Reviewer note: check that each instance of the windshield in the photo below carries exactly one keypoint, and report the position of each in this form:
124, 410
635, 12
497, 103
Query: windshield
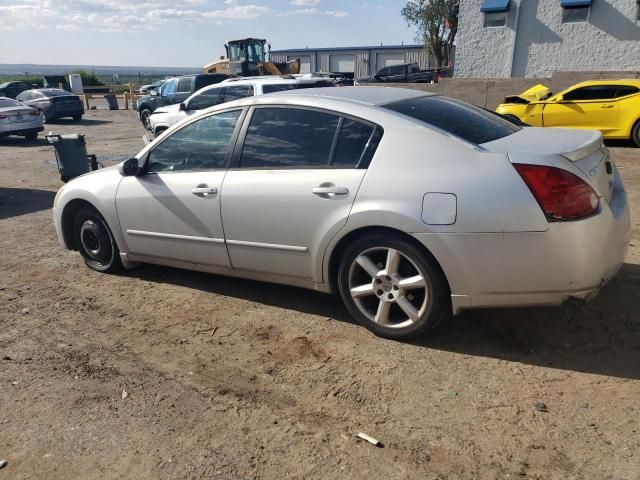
458, 118
7, 102
54, 92
235, 52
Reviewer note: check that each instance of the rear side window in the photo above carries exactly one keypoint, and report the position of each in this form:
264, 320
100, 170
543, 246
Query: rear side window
352, 142
461, 119
594, 92
286, 137
624, 90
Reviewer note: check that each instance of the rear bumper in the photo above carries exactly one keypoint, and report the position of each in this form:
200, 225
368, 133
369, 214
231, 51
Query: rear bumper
569, 260
23, 130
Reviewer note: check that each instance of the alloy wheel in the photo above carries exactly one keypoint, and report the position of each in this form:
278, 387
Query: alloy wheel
388, 287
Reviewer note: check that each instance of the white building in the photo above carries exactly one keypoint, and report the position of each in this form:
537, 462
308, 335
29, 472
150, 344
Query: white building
354, 62
533, 38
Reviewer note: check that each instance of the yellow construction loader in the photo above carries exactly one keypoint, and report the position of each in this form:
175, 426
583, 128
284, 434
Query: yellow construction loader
246, 58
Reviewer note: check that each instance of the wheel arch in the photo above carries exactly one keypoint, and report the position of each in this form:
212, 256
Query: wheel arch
338, 250
69, 212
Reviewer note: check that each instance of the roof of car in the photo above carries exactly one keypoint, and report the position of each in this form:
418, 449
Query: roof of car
366, 95
624, 81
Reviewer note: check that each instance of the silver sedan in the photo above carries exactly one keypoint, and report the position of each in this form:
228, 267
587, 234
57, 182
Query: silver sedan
411, 206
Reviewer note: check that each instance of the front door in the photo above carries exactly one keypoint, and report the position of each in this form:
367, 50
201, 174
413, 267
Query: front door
291, 188
172, 210
592, 107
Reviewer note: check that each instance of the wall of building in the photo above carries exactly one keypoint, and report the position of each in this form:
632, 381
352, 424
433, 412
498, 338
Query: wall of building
538, 43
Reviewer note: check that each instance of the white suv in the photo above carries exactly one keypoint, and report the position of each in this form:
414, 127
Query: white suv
226, 91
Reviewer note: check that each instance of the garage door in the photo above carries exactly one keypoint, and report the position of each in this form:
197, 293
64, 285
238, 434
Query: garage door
342, 63
305, 63
388, 59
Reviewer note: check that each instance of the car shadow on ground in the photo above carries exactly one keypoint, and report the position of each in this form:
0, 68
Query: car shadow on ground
620, 143
20, 201
602, 337
21, 142
72, 122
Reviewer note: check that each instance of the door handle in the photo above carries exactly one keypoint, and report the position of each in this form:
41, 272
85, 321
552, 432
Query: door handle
606, 106
204, 191
330, 190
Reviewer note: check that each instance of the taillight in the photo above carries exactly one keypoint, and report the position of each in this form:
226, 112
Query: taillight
34, 114
4, 117
561, 194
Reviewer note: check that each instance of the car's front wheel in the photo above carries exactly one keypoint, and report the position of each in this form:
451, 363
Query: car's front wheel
390, 286
145, 116
95, 241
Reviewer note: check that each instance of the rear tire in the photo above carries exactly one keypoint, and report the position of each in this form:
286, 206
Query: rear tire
31, 137
635, 134
391, 287
95, 242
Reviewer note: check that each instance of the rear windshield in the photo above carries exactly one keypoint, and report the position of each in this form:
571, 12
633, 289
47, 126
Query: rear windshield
7, 102
54, 92
461, 119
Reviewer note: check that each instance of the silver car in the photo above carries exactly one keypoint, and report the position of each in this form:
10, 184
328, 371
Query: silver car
19, 119
411, 206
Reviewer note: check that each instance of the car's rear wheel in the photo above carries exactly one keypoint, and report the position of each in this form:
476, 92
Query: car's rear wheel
95, 241
635, 134
391, 287
144, 118
31, 137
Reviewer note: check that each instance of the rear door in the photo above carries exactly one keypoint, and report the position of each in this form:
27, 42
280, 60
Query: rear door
183, 90
291, 186
592, 107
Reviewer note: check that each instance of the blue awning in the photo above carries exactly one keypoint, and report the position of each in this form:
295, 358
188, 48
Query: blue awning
492, 6
575, 3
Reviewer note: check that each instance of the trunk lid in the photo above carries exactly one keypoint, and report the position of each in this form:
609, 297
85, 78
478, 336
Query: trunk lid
583, 148
534, 94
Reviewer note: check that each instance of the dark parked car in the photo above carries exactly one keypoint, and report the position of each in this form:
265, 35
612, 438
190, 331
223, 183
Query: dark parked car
404, 73
12, 89
53, 103
175, 90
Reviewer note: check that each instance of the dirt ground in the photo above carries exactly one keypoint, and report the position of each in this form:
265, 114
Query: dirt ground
236, 379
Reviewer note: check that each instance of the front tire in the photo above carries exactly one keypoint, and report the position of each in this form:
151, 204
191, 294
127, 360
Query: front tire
391, 287
635, 134
95, 241
145, 115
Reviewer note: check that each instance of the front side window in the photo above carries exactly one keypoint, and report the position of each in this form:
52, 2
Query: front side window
384, 72
594, 92
575, 14
286, 137
169, 87
184, 84
396, 70
206, 99
201, 145
458, 118
237, 92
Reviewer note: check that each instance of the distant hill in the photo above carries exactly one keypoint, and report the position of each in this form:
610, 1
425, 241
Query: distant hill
101, 70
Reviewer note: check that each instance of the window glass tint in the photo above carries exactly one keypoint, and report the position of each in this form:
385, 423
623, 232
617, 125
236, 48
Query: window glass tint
208, 79
281, 87
383, 72
169, 87
466, 121
23, 97
595, 92
206, 99
284, 137
351, 142
623, 90
575, 14
396, 70
199, 145
7, 102
235, 93
184, 84
495, 19
55, 92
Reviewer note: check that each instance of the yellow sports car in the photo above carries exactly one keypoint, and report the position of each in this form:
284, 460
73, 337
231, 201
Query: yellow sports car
611, 106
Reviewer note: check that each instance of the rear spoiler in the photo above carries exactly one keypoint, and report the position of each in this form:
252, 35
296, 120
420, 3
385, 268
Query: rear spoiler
592, 145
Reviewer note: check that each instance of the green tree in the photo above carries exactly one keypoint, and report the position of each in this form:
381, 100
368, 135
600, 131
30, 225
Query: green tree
437, 24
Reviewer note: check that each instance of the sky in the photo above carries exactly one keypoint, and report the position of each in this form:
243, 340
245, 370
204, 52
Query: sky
186, 33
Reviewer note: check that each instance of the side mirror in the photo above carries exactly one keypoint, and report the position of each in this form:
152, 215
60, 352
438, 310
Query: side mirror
153, 92
129, 168
182, 107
